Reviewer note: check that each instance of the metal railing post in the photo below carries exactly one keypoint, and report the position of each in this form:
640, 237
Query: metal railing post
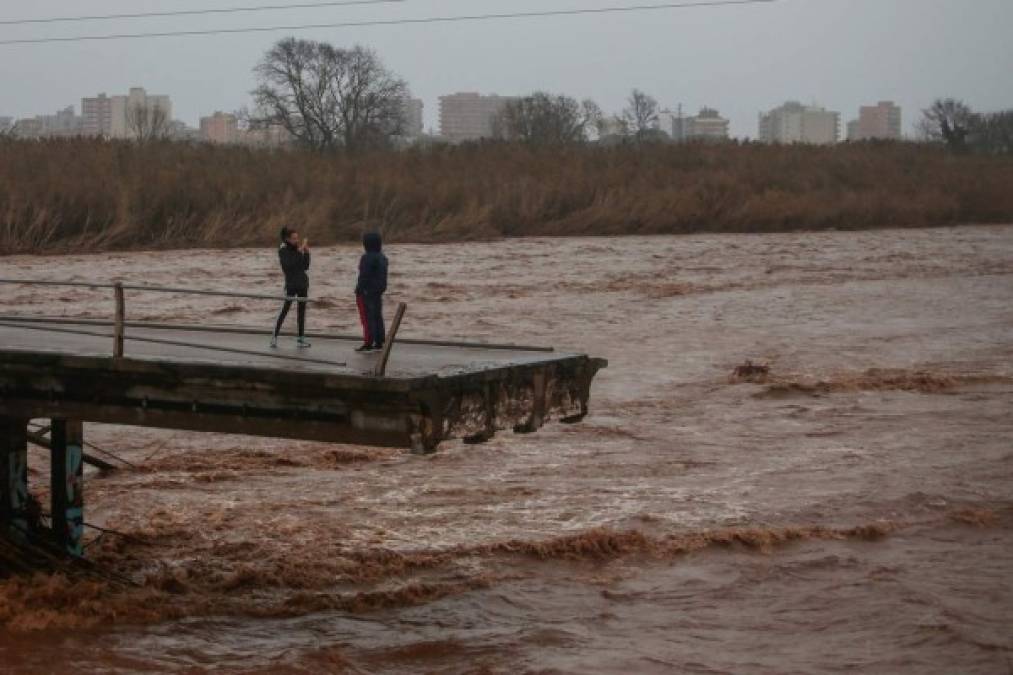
119, 320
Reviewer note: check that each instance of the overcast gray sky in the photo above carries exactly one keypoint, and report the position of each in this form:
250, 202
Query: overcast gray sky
838, 53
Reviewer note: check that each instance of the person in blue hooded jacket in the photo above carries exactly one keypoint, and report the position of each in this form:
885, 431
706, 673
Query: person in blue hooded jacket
369, 290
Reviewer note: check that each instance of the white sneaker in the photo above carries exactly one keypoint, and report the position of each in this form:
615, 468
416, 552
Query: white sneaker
274, 343
301, 343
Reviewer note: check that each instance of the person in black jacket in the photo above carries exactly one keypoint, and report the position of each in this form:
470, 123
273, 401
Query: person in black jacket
369, 290
295, 260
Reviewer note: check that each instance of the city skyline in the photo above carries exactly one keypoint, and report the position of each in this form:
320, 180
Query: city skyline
739, 60
466, 116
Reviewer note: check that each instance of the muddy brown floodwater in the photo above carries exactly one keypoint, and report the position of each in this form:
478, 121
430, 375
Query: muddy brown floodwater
851, 511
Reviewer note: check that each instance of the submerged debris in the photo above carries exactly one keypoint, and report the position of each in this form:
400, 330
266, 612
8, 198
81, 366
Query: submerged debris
751, 372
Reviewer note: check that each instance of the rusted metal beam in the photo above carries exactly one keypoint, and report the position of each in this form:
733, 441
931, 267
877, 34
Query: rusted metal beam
40, 440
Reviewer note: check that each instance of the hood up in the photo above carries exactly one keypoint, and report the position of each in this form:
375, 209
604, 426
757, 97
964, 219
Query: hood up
372, 242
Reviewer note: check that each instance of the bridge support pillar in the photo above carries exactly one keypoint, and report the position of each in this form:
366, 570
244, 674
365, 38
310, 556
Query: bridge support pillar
14, 475
67, 437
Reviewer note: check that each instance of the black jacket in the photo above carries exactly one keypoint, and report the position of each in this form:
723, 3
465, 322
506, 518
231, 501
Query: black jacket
294, 264
372, 267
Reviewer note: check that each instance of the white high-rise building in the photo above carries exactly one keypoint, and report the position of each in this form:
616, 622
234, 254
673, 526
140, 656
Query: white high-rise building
797, 123
137, 102
109, 116
470, 116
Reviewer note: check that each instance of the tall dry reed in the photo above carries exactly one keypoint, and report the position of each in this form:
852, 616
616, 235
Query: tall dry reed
89, 194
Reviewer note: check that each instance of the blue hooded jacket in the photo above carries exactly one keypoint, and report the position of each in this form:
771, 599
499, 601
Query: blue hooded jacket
372, 267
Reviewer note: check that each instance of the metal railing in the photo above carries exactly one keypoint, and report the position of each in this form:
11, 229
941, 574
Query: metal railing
119, 322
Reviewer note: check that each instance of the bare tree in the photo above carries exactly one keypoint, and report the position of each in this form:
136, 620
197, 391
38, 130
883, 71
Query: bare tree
326, 97
947, 120
545, 119
148, 122
612, 129
641, 114
992, 133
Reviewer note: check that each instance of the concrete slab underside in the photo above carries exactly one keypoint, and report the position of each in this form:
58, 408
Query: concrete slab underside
430, 393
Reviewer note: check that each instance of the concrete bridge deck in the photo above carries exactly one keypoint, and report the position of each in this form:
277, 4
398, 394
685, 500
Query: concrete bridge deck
328, 354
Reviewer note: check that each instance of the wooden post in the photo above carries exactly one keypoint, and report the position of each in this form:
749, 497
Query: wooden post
67, 484
381, 367
118, 321
13, 474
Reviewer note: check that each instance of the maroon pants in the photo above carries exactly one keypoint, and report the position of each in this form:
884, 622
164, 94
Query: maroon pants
363, 319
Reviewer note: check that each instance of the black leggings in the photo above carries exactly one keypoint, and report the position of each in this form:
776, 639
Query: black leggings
300, 311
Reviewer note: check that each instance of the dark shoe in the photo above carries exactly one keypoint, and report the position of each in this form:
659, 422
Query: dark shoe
301, 343
378, 348
364, 348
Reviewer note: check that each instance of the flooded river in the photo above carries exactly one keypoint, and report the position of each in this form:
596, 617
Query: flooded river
851, 511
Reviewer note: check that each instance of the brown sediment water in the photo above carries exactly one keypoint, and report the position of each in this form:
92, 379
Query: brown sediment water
849, 509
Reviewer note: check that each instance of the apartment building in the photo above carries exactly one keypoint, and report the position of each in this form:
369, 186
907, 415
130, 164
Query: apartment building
109, 116
220, 128
65, 123
707, 125
97, 116
469, 116
137, 102
797, 123
881, 121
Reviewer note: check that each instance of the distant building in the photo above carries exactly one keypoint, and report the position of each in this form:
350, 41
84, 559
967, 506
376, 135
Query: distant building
137, 102
414, 124
470, 116
64, 124
6, 123
30, 127
97, 115
708, 125
181, 131
667, 121
272, 136
796, 123
110, 116
853, 130
881, 121
220, 128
